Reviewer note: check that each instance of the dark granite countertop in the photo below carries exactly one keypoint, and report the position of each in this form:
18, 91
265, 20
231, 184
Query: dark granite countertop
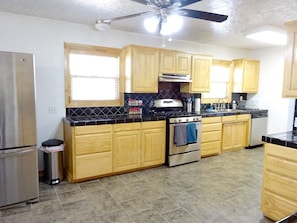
214, 113
125, 118
112, 119
287, 139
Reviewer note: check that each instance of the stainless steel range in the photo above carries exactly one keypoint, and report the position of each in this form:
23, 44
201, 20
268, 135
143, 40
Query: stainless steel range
183, 132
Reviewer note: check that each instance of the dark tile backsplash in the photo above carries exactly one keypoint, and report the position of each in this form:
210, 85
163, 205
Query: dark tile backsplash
166, 90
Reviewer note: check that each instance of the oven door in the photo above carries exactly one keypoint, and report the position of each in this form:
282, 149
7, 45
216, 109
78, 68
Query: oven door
173, 149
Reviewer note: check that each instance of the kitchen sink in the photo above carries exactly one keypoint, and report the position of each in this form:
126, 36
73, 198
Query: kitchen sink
223, 111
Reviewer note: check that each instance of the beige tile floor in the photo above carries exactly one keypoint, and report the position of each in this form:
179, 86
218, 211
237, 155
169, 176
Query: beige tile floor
223, 189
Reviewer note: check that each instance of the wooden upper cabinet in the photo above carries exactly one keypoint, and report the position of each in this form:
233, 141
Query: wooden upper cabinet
200, 75
174, 62
141, 68
245, 76
290, 75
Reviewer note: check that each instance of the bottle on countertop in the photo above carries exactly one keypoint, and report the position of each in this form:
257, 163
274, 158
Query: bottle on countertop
234, 104
189, 105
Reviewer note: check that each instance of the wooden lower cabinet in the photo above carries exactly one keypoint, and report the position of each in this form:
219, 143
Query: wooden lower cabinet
93, 165
235, 132
88, 151
98, 150
126, 149
211, 136
153, 143
279, 187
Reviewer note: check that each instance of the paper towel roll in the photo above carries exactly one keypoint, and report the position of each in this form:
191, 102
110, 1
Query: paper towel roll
197, 104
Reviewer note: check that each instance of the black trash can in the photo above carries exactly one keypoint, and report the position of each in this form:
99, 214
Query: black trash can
53, 161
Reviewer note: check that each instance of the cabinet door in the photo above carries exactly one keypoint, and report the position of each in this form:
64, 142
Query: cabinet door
234, 135
153, 146
245, 76
145, 69
200, 75
167, 61
175, 62
238, 135
250, 76
227, 139
126, 150
290, 75
183, 63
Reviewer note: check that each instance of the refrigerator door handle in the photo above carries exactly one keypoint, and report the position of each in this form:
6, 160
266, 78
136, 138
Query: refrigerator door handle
13, 154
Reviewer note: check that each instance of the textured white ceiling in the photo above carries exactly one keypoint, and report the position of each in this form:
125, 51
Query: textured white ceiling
243, 14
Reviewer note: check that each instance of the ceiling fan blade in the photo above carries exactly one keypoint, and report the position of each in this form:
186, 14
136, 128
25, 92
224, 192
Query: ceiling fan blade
186, 2
202, 15
144, 2
126, 16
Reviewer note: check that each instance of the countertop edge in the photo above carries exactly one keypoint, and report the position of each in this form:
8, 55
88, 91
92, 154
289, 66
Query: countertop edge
286, 139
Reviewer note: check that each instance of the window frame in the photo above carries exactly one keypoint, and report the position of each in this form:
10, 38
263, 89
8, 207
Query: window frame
91, 50
227, 64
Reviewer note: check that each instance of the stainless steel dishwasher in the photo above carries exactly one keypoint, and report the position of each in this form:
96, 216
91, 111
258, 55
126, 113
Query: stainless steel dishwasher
258, 127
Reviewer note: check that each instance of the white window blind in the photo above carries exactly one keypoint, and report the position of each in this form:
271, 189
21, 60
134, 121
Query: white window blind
220, 77
94, 77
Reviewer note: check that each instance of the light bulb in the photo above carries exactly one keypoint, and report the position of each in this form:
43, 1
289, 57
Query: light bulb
171, 24
151, 24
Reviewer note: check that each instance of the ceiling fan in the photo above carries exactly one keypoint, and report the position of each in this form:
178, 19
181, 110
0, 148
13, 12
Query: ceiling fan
162, 12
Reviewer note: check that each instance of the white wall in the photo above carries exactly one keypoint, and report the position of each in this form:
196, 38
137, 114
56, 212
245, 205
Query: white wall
45, 38
281, 110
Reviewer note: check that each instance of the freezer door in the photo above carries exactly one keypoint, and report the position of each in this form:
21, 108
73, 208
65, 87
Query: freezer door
18, 175
17, 100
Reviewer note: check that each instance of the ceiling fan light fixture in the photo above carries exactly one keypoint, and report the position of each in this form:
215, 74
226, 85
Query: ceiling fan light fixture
176, 22
268, 34
151, 24
102, 25
171, 24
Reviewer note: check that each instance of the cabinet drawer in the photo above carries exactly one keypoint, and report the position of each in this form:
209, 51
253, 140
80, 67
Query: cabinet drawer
211, 127
210, 148
126, 127
95, 143
210, 136
153, 124
92, 129
276, 207
230, 118
93, 165
211, 120
280, 166
281, 151
278, 184
245, 117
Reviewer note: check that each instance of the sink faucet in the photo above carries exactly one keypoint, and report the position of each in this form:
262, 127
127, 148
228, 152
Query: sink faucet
221, 105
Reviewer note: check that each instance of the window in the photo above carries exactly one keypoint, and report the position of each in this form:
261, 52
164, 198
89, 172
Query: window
220, 83
92, 76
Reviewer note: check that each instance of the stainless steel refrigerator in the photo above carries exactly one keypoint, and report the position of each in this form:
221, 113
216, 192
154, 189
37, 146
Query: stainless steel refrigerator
18, 153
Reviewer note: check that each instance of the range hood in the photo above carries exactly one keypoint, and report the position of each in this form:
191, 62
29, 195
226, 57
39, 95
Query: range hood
175, 78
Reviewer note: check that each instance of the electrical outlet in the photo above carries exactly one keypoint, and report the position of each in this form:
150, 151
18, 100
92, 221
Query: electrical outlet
52, 109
